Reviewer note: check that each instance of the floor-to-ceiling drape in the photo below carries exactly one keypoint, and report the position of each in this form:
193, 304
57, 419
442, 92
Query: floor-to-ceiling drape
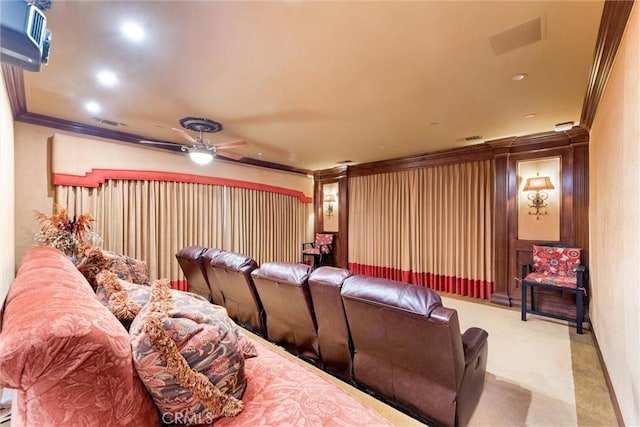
152, 220
431, 226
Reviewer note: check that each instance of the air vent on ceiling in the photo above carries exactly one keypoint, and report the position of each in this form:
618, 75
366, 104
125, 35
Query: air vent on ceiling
344, 162
107, 122
470, 138
518, 36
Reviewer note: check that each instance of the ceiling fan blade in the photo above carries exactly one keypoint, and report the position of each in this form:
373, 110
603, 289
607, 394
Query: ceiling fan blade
185, 135
229, 155
231, 144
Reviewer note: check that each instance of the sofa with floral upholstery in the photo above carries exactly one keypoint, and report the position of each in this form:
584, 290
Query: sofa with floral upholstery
66, 350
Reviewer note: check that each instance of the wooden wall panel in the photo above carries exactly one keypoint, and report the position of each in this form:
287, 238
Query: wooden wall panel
341, 242
501, 226
510, 252
572, 148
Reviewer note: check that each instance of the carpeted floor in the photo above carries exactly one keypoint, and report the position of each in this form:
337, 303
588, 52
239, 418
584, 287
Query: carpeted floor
539, 372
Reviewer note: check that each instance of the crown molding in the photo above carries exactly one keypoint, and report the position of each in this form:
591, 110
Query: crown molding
615, 15
14, 82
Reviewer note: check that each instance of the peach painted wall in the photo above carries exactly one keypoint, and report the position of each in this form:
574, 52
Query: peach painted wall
614, 219
7, 261
40, 150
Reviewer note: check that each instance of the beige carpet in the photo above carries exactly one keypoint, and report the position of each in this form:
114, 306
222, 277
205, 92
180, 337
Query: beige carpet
529, 374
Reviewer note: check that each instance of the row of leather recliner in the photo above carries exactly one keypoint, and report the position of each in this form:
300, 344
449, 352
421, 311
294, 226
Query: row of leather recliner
392, 339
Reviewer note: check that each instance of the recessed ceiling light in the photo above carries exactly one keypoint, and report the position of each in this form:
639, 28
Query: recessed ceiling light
529, 116
519, 77
107, 78
92, 106
132, 31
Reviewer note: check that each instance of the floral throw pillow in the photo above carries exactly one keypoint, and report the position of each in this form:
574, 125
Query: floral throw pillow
556, 261
189, 356
124, 299
126, 268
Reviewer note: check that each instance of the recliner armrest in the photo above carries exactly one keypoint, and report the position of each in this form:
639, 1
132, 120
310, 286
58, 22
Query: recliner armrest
473, 340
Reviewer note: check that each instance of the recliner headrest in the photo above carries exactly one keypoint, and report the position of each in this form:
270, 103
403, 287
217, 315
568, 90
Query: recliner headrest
411, 298
232, 261
191, 252
284, 272
329, 275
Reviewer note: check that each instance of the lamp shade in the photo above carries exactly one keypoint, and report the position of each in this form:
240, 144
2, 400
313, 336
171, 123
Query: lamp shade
200, 157
538, 183
330, 198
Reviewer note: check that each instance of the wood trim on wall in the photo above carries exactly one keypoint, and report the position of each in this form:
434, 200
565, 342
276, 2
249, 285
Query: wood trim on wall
341, 241
615, 15
436, 158
572, 147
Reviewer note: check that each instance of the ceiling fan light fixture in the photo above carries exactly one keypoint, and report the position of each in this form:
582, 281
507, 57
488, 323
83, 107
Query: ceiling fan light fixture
201, 157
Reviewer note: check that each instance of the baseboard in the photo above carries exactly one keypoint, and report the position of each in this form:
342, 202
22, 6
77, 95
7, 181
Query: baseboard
612, 393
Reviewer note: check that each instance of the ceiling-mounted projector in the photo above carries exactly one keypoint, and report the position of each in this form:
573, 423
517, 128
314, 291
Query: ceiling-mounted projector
24, 38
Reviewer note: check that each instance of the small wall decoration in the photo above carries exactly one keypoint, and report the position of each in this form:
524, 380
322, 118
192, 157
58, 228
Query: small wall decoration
539, 195
330, 207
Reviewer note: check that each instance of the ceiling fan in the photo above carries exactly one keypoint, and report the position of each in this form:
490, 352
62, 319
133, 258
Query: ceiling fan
201, 150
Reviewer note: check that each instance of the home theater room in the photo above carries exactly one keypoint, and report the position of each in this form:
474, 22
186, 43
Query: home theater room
320, 213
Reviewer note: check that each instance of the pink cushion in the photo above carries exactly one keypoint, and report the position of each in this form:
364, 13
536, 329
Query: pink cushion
190, 355
562, 281
280, 392
554, 261
65, 353
321, 242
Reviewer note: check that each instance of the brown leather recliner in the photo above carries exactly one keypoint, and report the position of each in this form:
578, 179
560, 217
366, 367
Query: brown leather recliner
232, 273
284, 292
191, 263
333, 333
409, 350
214, 287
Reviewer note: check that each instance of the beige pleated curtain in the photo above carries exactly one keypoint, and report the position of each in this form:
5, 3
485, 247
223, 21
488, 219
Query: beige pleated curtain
430, 226
152, 220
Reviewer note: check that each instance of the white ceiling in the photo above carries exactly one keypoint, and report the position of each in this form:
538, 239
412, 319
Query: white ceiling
309, 84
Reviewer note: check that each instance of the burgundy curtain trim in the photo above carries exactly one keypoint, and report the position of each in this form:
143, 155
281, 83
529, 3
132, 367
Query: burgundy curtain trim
180, 285
454, 285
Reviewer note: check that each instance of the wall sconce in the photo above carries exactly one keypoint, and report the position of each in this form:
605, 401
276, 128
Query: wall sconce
537, 195
329, 202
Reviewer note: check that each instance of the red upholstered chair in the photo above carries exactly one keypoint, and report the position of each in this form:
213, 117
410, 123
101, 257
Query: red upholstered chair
321, 250
555, 267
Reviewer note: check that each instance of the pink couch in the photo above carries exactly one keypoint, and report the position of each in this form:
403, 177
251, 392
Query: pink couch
66, 355
70, 361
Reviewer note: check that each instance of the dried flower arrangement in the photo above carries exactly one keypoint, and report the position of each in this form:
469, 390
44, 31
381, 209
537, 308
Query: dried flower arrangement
73, 236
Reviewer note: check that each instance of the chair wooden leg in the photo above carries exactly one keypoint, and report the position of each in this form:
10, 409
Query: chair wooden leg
579, 311
524, 302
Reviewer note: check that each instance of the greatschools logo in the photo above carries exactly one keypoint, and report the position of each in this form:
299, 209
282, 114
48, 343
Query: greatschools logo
186, 418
